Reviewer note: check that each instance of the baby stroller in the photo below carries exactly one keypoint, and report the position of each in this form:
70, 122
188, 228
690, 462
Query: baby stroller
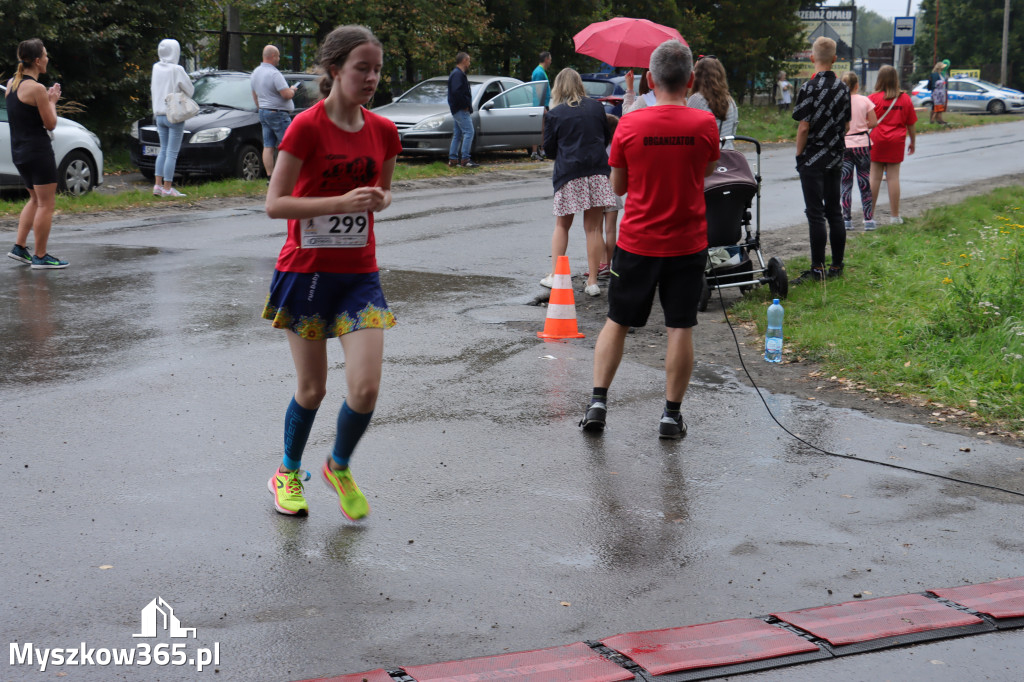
733, 263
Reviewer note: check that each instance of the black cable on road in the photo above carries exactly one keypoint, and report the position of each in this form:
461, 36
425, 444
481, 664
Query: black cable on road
855, 458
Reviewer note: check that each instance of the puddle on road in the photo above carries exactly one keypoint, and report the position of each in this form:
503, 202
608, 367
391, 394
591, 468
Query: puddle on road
408, 286
58, 324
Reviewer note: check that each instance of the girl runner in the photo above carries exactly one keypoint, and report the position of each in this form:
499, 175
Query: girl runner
332, 174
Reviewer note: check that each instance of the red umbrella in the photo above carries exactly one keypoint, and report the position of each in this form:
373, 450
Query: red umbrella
623, 41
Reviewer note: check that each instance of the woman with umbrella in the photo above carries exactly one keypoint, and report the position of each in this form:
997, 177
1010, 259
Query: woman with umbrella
576, 135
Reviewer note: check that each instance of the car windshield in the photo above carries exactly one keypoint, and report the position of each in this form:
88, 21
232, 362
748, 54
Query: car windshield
432, 92
598, 88
233, 91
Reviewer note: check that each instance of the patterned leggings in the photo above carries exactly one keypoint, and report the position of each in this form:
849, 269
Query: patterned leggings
857, 159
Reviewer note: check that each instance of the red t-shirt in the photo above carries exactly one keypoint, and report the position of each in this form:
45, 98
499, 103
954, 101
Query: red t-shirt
335, 162
894, 125
664, 150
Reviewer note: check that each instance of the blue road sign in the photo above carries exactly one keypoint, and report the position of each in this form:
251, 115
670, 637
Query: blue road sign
903, 30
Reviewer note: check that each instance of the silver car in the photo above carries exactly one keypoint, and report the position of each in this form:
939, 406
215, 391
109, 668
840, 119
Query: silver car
77, 150
507, 114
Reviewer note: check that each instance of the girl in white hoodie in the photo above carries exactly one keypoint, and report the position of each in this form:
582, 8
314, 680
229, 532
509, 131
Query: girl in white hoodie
168, 77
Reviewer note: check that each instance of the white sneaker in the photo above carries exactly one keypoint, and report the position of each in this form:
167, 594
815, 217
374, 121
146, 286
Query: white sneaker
895, 220
548, 281
869, 224
172, 192
158, 190
848, 224
592, 290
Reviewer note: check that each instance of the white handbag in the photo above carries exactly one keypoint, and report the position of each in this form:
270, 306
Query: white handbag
180, 107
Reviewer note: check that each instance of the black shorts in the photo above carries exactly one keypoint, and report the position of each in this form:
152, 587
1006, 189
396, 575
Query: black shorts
40, 169
678, 279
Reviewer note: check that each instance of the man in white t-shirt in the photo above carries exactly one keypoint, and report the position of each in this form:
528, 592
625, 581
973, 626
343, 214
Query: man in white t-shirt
273, 98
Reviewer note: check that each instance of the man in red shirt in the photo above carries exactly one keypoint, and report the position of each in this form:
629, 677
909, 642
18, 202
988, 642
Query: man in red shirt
660, 156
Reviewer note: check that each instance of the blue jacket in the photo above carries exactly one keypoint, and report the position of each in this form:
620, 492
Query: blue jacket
459, 95
577, 139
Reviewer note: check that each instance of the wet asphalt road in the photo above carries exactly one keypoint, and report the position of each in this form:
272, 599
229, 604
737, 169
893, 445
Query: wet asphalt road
141, 410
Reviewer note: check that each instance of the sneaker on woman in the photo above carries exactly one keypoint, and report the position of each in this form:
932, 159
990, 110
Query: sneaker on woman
351, 500
48, 262
20, 254
287, 491
172, 192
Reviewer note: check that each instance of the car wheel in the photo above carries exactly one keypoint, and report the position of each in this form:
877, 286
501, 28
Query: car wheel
996, 107
148, 173
76, 174
249, 165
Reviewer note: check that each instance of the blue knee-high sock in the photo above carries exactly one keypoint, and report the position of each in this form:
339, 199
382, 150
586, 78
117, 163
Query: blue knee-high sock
297, 423
351, 426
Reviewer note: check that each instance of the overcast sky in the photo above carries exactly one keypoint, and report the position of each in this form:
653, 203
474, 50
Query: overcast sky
889, 8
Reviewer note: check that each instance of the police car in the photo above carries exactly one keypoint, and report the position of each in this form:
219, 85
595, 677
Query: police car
972, 95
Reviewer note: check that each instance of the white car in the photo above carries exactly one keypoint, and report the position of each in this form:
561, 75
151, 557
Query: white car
78, 154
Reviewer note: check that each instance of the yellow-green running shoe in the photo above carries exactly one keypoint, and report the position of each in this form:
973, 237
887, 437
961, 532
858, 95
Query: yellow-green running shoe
287, 490
350, 498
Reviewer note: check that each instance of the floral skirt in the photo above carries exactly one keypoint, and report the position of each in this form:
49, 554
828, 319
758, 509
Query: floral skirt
323, 305
577, 195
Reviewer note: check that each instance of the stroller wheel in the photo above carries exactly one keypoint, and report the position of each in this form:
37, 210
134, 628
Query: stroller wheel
705, 295
778, 280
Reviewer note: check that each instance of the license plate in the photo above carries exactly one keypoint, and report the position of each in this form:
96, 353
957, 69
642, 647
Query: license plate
150, 150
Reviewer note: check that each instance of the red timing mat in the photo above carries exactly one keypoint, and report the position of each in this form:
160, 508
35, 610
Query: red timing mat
862, 621
572, 663
999, 599
726, 642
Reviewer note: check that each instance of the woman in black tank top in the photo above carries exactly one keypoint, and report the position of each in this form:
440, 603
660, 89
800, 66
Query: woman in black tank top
32, 112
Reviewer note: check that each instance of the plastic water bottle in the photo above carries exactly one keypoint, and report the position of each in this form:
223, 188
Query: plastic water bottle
773, 337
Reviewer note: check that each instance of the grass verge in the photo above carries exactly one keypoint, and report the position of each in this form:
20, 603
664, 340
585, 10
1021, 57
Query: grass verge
933, 308
11, 206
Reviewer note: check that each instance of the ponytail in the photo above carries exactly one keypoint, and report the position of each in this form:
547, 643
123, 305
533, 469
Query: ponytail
16, 81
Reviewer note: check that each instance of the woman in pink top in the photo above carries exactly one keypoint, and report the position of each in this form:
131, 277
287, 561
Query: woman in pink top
857, 157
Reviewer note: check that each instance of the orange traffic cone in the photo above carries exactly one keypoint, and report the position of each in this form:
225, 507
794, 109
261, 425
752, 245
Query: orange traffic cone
561, 319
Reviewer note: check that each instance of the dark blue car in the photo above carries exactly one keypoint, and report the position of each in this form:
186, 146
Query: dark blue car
606, 88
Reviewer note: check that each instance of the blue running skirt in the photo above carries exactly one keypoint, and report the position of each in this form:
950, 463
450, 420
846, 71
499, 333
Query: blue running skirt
323, 305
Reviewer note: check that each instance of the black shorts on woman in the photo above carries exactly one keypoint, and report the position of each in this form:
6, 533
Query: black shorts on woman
634, 278
38, 169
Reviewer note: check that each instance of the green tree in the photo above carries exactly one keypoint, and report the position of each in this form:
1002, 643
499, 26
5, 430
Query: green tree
420, 37
872, 30
101, 51
971, 36
522, 29
751, 38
